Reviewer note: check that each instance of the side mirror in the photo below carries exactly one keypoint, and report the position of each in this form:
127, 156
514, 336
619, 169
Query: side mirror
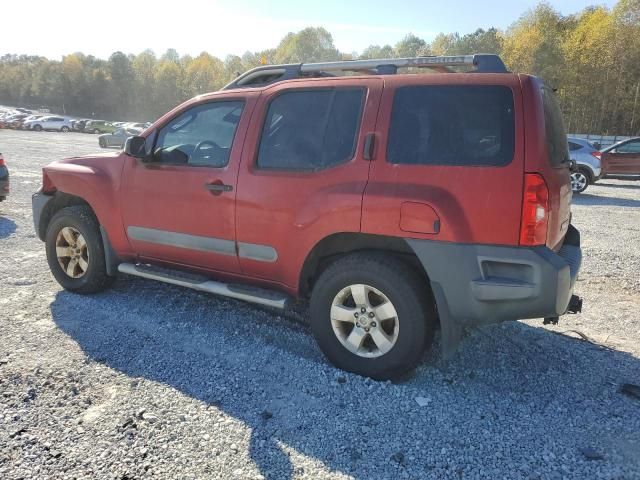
135, 147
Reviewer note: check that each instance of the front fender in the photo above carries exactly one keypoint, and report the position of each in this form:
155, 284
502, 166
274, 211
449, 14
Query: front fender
97, 181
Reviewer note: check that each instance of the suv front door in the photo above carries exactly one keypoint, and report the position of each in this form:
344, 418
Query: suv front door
179, 204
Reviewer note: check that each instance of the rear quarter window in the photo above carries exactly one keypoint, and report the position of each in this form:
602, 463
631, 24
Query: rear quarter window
554, 129
452, 125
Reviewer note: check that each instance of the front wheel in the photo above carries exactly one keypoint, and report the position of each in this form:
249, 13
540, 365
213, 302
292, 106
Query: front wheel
38, 128
64, 129
580, 181
96, 131
373, 315
75, 252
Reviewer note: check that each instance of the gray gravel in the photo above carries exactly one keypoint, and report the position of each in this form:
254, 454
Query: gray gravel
152, 381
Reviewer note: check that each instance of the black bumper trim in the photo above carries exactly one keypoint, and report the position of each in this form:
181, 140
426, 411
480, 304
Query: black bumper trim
39, 201
484, 284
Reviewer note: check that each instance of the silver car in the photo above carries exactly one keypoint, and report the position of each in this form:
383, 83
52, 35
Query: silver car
587, 156
60, 124
117, 138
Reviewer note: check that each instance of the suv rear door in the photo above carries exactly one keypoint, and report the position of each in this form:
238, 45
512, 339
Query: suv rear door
623, 160
303, 173
448, 160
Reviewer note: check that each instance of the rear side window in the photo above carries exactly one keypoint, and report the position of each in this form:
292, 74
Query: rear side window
452, 125
631, 147
311, 129
554, 128
574, 146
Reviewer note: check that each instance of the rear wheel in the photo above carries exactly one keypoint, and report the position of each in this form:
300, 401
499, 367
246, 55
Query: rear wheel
102, 143
38, 128
64, 129
96, 131
580, 180
75, 252
372, 315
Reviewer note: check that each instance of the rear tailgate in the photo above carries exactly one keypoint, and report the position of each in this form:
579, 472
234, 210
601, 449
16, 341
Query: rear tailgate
547, 154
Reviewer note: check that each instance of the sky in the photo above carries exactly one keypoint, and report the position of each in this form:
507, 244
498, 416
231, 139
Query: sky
221, 27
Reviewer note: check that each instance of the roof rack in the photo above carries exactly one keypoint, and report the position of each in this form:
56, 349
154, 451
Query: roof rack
267, 74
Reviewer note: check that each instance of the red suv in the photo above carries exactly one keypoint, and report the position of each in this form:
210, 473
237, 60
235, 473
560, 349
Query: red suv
397, 203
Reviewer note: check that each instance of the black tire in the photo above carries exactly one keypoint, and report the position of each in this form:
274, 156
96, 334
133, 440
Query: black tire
101, 143
81, 218
37, 128
64, 129
96, 131
406, 290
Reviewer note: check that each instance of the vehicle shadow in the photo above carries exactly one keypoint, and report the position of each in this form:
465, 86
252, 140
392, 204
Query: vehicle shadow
625, 186
589, 199
280, 387
7, 227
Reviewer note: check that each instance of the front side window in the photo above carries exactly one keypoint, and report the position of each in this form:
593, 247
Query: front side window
201, 136
630, 147
452, 125
311, 129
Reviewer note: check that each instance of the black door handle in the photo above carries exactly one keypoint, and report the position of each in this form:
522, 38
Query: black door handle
218, 187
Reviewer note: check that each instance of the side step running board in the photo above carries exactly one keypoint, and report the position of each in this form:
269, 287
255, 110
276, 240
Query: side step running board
203, 284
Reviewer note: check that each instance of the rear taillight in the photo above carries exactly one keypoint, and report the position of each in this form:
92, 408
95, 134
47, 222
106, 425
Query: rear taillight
598, 155
2, 164
535, 211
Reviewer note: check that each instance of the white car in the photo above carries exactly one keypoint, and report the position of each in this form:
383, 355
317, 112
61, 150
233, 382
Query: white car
50, 122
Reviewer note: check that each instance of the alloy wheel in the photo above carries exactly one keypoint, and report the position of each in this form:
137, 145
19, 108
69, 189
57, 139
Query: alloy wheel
578, 181
364, 321
72, 252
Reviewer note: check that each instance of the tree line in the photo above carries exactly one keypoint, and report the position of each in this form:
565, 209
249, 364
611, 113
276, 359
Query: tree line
592, 58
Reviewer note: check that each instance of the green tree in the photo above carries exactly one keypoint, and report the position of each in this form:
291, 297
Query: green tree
308, 45
409, 46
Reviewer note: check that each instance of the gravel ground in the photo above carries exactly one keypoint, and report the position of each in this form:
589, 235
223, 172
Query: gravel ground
153, 381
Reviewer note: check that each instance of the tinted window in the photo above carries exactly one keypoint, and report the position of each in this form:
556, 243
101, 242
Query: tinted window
554, 127
203, 135
310, 130
452, 125
574, 146
631, 147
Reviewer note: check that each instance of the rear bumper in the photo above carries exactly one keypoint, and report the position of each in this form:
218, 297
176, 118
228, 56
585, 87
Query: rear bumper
483, 284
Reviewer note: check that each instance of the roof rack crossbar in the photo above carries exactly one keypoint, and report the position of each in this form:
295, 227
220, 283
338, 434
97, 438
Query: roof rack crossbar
264, 75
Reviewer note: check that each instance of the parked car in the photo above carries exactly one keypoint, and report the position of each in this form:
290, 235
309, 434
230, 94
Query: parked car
28, 119
139, 126
78, 125
99, 126
354, 192
4, 179
622, 158
587, 158
117, 138
56, 123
